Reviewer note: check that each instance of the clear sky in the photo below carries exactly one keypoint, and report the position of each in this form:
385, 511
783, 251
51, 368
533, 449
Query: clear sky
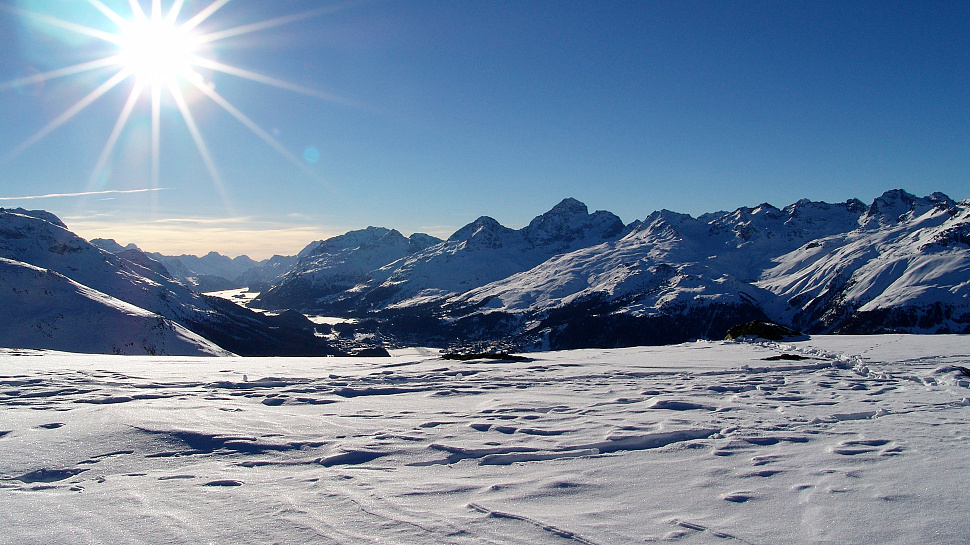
322, 117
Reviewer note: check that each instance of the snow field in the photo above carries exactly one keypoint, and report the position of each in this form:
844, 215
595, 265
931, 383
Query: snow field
840, 440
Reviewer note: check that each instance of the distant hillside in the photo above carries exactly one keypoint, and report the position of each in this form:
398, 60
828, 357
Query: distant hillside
211, 272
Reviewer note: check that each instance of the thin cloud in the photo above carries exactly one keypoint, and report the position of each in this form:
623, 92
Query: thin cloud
83, 194
202, 221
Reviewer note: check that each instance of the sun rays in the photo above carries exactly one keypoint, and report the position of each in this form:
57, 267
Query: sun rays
164, 55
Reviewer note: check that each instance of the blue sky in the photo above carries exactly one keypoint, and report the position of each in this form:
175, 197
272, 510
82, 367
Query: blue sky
424, 115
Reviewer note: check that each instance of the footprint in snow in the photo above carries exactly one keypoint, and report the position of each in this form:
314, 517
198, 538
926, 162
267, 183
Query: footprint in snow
678, 405
738, 497
865, 446
48, 475
761, 473
51, 426
225, 482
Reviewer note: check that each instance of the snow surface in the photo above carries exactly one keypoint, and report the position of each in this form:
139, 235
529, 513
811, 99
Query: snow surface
863, 440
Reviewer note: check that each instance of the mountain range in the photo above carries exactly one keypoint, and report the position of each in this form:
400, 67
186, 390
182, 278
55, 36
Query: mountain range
569, 279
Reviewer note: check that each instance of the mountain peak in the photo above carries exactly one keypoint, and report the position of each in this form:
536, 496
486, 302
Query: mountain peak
891, 199
894, 205
664, 219
571, 206
110, 245
766, 208
351, 239
570, 220
482, 226
36, 214
420, 241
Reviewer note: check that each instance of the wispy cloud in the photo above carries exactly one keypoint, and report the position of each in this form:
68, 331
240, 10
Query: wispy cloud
84, 194
204, 221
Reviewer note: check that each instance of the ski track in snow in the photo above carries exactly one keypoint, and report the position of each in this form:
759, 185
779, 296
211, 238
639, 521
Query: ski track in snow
845, 440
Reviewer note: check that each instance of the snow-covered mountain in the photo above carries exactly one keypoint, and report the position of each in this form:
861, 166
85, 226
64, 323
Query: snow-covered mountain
41, 240
266, 273
481, 252
671, 257
907, 267
216, 264
331, 266
901, 264
211, 272
573, 279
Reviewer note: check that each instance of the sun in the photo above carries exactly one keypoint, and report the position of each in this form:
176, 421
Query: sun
159, 52
156, 51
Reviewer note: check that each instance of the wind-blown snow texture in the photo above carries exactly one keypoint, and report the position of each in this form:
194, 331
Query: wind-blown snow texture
837, 439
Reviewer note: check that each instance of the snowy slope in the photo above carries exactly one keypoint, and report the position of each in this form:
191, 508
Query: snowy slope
43, 309
862, 440
909, 264
29, 237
